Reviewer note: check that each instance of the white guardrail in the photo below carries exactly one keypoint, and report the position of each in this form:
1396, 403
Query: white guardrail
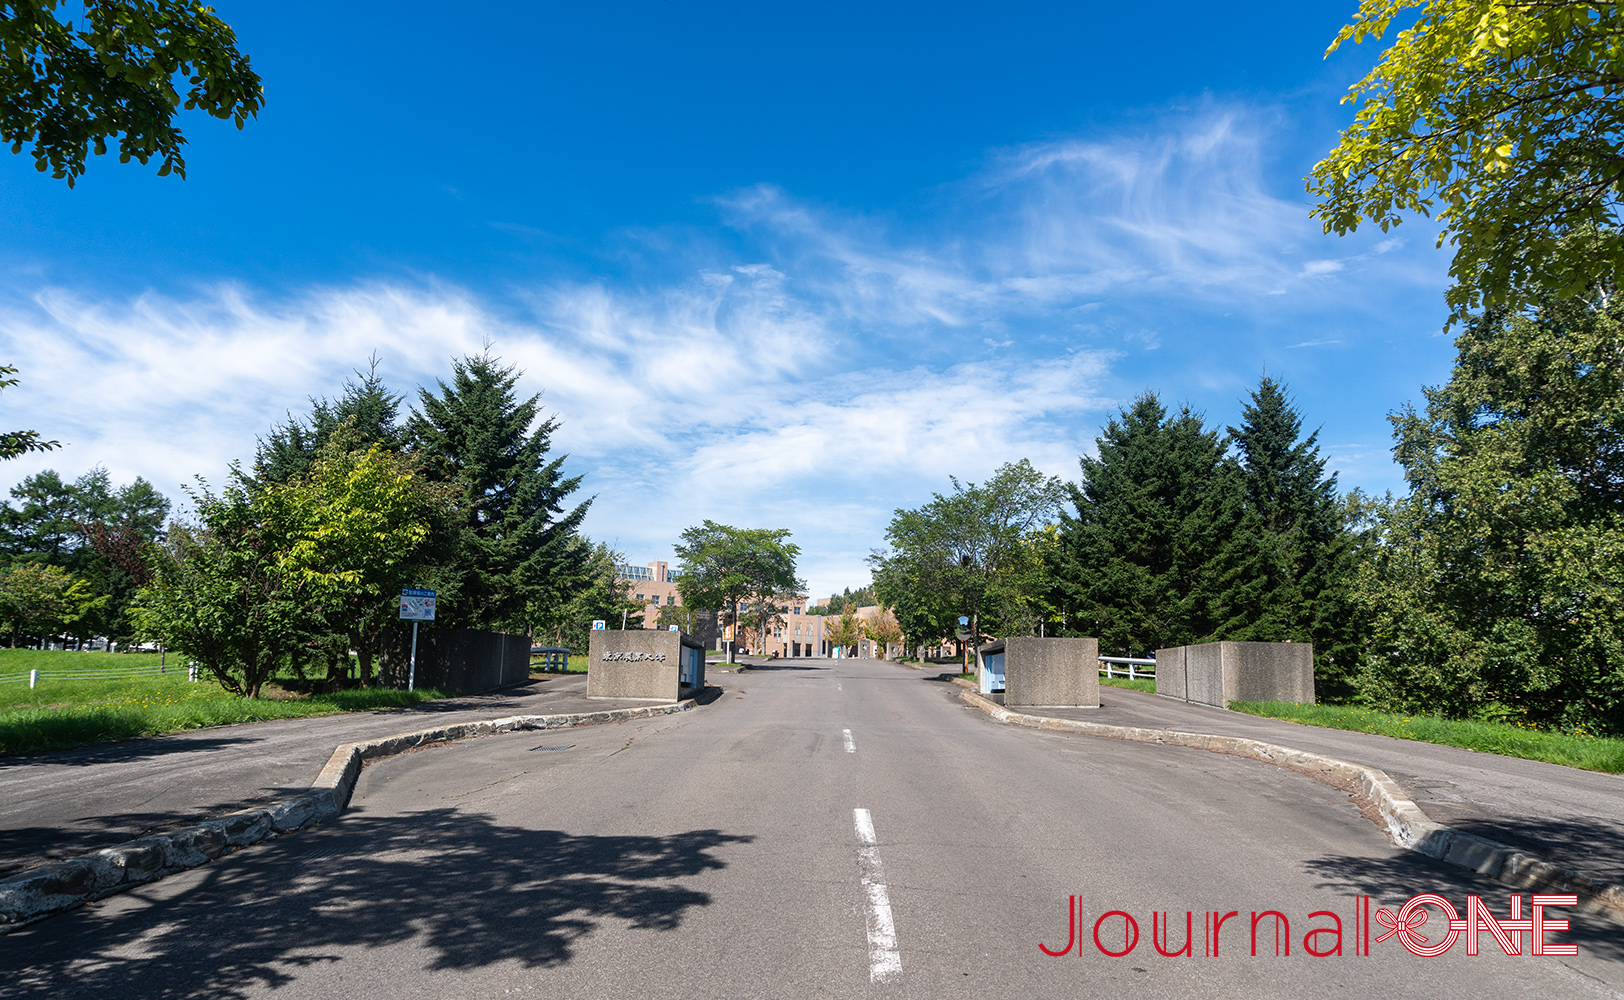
36, 677
1107, 668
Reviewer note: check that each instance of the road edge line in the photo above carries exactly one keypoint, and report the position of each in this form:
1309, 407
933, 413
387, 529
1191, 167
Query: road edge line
1406, 824
33, 895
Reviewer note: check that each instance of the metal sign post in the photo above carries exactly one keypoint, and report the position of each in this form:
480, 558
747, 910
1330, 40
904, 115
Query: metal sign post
964, 633
415, 606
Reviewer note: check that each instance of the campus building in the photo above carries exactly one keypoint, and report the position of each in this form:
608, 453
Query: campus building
653, 585
803, 635
798, 635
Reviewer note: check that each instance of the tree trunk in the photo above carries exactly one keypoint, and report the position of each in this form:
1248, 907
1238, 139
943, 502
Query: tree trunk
363, 653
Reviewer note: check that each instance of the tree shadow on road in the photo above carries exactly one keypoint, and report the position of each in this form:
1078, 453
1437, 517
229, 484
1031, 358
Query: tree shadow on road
27, 847
468, 891
1595, 847
124, 751
1391, 881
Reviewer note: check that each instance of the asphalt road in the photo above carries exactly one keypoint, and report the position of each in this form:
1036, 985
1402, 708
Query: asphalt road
1563, 815
831, 829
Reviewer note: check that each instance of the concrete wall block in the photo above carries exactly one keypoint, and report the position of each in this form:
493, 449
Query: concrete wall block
1217, 673
1268, 671
1051, 672
636, 663
1170, 673
1203, 674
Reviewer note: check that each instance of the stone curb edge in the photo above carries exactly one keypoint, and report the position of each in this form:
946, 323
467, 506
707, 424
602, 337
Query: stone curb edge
62, 885
1406, 823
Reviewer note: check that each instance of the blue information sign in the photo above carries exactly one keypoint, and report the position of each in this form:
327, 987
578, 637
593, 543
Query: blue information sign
416, 605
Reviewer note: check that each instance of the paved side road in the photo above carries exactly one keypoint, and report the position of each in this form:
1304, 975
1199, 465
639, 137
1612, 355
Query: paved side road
58, 805
1563, 815
837, 829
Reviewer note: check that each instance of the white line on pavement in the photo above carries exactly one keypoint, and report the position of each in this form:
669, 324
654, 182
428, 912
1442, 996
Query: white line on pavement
851, 747
865, 826
884, 960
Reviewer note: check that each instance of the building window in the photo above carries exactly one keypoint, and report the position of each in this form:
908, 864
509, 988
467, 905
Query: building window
639, 597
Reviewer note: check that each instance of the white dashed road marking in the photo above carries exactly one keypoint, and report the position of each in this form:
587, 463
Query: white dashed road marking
851, 747
884, 960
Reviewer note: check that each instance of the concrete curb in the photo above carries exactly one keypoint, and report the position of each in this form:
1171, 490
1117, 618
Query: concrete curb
1406, 823
62, 885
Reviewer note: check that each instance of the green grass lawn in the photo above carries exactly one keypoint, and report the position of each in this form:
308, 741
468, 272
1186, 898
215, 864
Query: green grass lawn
1132, 683
577, 665
66, 709
1592, 753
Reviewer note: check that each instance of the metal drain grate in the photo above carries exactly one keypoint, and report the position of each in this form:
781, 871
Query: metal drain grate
569, 746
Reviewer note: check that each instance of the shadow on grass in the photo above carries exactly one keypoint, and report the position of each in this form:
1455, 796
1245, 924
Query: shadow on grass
1393, 880
464, 890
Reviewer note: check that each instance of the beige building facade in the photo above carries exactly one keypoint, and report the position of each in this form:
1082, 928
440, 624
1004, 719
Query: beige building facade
654, 586
800, 635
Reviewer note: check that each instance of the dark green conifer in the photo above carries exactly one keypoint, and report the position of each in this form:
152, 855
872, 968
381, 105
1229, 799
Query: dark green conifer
1140, 562
515, 540
1289, 563
367, 406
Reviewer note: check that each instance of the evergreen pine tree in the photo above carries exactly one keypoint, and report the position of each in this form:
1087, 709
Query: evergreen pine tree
367, 406
1140, 564
515, 540
1290, 560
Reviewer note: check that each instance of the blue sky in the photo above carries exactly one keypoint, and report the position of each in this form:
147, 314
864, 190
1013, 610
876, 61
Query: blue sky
785, 267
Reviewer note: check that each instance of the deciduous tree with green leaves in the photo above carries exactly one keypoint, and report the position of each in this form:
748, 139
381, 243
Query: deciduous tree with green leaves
970, 552
883, 628
67, 87
1494, 587
722, 567
38, 601
362, 527
1504, 121
223, 591
14, 444
846, 631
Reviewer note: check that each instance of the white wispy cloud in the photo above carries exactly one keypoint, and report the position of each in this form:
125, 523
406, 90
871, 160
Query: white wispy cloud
838, 367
